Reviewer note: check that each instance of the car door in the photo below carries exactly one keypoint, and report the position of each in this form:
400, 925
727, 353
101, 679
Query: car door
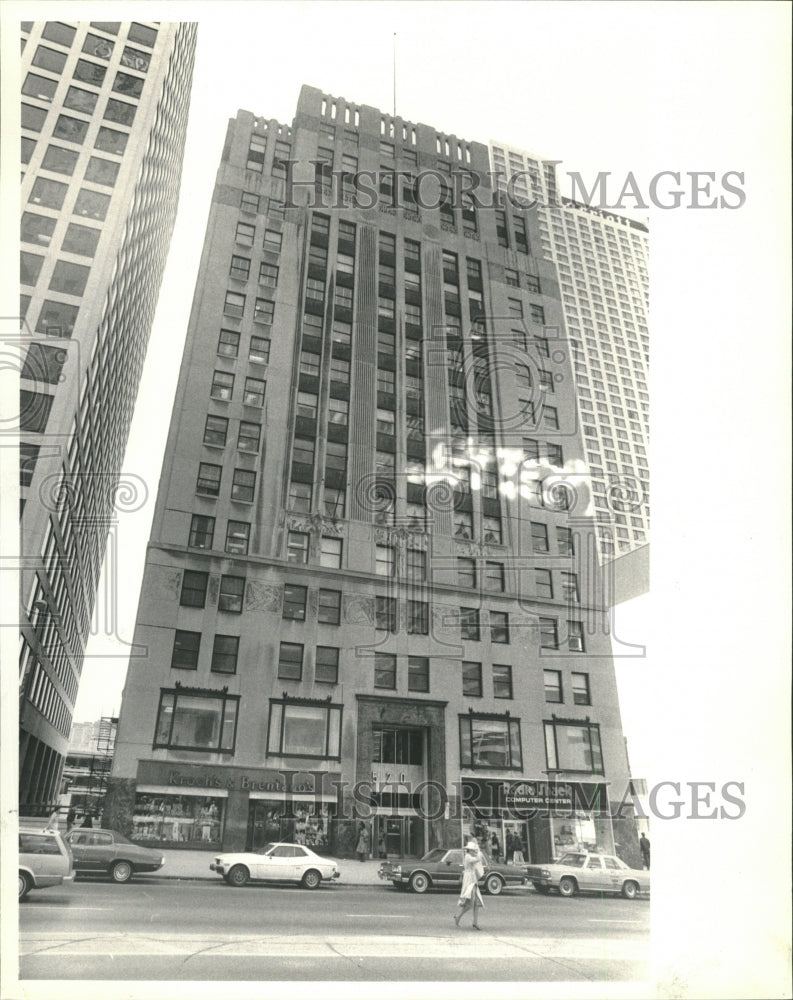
592, 874
449, 870
103, 849
614, 873
278, 864
79, 841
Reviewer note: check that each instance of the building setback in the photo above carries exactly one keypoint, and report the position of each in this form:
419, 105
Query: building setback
601, 267
371, 593
104, 114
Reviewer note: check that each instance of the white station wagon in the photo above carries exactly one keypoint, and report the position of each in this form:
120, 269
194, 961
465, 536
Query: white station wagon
276, 863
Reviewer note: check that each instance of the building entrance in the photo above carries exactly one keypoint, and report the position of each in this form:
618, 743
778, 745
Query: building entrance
399, 836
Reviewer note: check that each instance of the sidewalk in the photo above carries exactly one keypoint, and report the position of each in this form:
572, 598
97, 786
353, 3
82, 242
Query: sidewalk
194, 865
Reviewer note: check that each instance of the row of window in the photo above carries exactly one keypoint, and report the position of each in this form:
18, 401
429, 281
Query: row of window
63, 34
189, 719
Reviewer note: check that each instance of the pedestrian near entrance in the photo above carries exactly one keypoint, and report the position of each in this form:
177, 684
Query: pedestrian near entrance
470, 897
362, 847
644, 847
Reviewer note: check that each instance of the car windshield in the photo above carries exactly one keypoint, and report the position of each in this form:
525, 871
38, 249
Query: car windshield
120, 838
266, 849
434, 855
572, 860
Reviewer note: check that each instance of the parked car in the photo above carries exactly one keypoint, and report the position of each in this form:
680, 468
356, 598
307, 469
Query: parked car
443, 869
110, 852
45, 859
580, 871
276, 863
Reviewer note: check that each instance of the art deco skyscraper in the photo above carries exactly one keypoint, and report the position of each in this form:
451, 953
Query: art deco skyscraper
368, 578
104, 116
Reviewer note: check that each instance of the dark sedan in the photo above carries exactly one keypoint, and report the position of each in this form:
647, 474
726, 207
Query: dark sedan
443, 869
111, 853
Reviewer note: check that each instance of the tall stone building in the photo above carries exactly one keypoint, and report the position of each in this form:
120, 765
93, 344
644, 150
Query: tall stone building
104, 115
372, 593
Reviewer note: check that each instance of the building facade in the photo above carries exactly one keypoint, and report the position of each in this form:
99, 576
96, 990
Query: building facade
601, 262
104, 115
371, 598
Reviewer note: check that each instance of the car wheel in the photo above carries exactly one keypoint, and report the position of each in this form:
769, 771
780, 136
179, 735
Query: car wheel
567, 887
121, 871
419, 882
25, 885
311, 879
542, 889
629, 890
493, 885
238, 876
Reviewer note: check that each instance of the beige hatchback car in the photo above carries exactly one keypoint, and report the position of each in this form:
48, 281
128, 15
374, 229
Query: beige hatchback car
45, 859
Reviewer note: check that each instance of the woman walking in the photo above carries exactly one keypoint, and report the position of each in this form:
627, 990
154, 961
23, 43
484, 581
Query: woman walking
470, 897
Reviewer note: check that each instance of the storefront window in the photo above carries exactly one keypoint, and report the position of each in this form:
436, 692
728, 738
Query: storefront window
574, 833
178, 819
490, 742
304, 730
196, 721
297, 823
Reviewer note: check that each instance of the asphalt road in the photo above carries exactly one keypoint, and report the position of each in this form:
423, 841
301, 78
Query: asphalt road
173, 930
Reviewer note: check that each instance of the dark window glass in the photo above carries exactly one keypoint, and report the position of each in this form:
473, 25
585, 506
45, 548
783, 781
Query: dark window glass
100, 171
202, 531
290, 661
243, 485
40, 87
29, 268
385, 671
208, 482
135, 59
26, 148
472, 679
326, 667
47, 193
94, 45
37, 229
109, 140
49, 59
80, 100
34, 410
57, 319
132, 86
232, 591
81, 240
329, 610
71, 129
33, 117
92, 205
111, 27
225, 649
418, 673
44, 363
69, 278
60, 160
294, 602
120, 111
142, 35
89, 72
56, 31
186, 646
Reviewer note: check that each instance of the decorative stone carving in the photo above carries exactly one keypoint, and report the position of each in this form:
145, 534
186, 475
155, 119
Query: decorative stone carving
171, 582
358, 609
263, 597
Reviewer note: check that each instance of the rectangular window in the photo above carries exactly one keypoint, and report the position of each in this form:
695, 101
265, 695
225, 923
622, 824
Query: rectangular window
132, 86
245, 234
69, 278
418, 618
224, 654
194, 589
47, 193
472, 679
240, 267
549, 633
466, 572
249, 202
238, 537
202, 531
515, 308
539, 537
512, 277
385, 613
297, 547
303, 451
575, 636
385, 671
537, 314
338, 412
234, 304
502, 681
185, 650
552, 679
329, 606
418, 673
491, 529
272, 241
543, 583
304, 730
299, 497
334, 501
570, 586
290, 661
573, 747
120, 112
268, 274
222, 385
580, 688
326, 665
307, 404
110, 140
243, 485
263, 311
259, 350
232, 591
294, 602
499, 626
490, 742
40, 87
494, 577
330, 552
248, 437
254, 392
416, 565
193, 721
384, 560
228, 344
469, 624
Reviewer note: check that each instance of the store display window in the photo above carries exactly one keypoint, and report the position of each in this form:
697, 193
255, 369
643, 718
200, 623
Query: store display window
183, 820
296, 823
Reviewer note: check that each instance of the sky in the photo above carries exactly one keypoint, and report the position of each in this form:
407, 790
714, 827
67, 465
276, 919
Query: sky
620, 87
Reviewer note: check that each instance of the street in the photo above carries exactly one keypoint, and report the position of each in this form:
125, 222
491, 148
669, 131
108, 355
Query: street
158, 929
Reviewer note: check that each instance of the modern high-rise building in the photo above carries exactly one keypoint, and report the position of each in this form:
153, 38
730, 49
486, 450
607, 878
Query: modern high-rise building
104, 115
601, 267
371, 595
